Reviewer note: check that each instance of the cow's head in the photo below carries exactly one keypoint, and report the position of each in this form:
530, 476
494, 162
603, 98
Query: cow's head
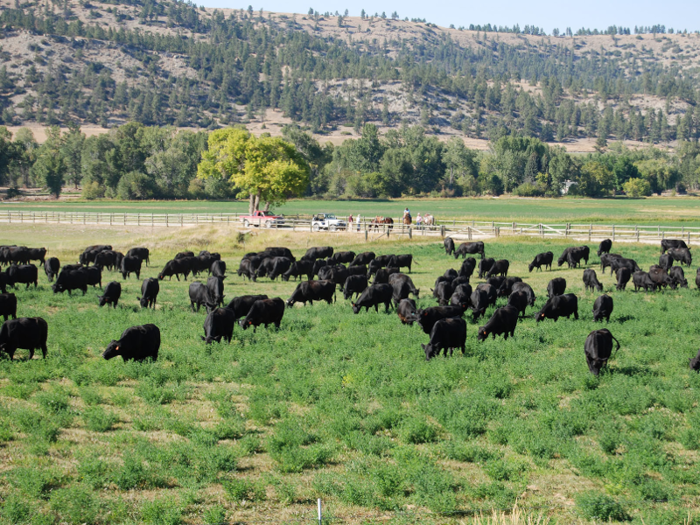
428, 349
483, 334
113, 350
355, 308
245, 323
540, 316
57, 287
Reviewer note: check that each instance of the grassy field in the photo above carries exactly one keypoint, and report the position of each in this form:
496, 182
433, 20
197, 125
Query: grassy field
653, 211
344, 407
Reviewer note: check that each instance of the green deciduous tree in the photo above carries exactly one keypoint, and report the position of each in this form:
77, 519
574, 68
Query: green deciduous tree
50, 165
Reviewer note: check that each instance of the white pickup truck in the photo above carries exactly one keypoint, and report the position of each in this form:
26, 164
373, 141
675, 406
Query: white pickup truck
327, 221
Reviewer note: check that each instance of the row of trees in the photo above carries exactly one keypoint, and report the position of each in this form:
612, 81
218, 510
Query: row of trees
139, 162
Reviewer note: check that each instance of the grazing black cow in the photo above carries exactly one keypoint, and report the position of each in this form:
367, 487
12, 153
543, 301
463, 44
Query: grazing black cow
620, 262
541, 259
374, 296
564, 256
383, 260
491, 292
137, 343
442, 292
94, 275
265, 311
322, 252
69, 280
604, 247
697, 278
467, 268
241, 305
402, 289
3, 282
219, 324
502, 322
131, 265
598, 349
177, 267
339, 275
402, 277
111, 294
449, 245
199, 295
681, 255
313, 291
496, 281
363, 259
273, 267
5, 254
479, 301
203, 262
183, 255
500, 267
19, 255
218, 268
429, 316
660, 277
602, 308
450, 274
678, 277
215, 285
607, 259
354, 284
341, 257
318, 264
383, 274
559, 306
527, 289
149, 293
27, 333
8, 305
643, 280
282, 252
37, 254
471, 248
484, 266
461, 296
98, 248
299, 269
325, 272
24, 274
667, 244
623, 277
401, 261
142, 253
556, 286
590, 280
248, 267
106, 259
407, 311
460, 280
506, 286
666, 261
573, 256
518, 300
695, 362
447, 334
52, 267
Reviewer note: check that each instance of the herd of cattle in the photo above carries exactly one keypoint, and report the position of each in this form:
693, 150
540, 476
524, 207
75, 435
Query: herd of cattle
367, 279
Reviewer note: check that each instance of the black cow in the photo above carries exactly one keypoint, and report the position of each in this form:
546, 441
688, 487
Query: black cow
177, 267
8, 305
502, 322
460, 280
695, 362
19, 255
218, 268
484, 266
556, 286
282, 252
401, 261
500, 267
681, 255
604, 247
518, 300
183, 255
697, 278
199, 295
402, 289
137, 343
318, 264
98, 248
131, 265
241, 305
383, 260
643, 280
429, 316
111, 294
407, 311
607, 259
467, 268
660, 277
322, 252
69, 280
94, 275
27, 333
496, 281
203, 262
341, 257
667, 244
313, 291
218, 324
461, 296
623, 277
506, 287
590, 280
527, 289
3, 282
299, 269
215, 285
264, 311
383, 274
471, 248
620, 262
447, 334
354, 284
666, 261
598, 349
363, 259
248, 267
602, 308
141, 253
273, 267
479, 301
576, 254
450, 275
338, 274
374, 296
106, 259
24, 274
449, 245
678, 277
52, 267
442, 292
491, 292
149, 293
559, 306
37, 254
542, 259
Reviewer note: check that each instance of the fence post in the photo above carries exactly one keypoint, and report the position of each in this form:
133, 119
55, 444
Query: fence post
166, 220
613, 232
590, 231
181, 220
365, 234
410, 233
469, 232
320, 516
513, 228
442, 231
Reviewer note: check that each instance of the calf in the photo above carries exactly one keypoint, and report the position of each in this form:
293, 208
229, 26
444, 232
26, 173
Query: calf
666, 261
678, 277
24, 274
218, 269
556, 286
518, 300
341, 257
177, 267
111, 294
363, 259
602, 308
199, 295
484, 266
449, 245
8, 305
407, 311
241, 305
52, 267
447, 334
215, 287
623, 277
264, 311
471, 248
137, 343
502, 322
559, 306
527, 289
69, 280
27, 333
131, 265
401, 261
604, 247
643, 280
500, 267
598, 349
443, 292
590, 280
681, 255
299, 269
374, 296
142, 253
322, 252
354, 284
313, 291
149, 293
667, 244
218, 324
541, 259
467, 268
429, 316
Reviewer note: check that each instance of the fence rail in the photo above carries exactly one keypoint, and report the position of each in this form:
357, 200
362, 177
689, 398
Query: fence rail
466, 230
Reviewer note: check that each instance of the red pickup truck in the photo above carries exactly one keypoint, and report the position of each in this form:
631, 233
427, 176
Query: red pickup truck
265, 219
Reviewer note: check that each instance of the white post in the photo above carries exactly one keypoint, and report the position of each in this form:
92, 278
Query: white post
320, 516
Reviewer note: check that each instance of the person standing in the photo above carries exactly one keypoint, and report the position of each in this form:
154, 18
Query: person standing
419, 220
358, 222
349, 222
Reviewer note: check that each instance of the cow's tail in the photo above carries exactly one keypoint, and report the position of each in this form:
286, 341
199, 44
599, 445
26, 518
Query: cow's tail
618, 344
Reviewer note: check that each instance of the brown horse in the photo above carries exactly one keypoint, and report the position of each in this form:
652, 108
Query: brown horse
388, 221
407, 219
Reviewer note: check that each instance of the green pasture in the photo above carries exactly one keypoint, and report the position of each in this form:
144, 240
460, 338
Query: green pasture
344, 407
650, 211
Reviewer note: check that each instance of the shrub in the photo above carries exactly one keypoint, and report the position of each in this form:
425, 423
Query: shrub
98, 419
161, 512
637, 188
594, 505
93, 190
240, 490
215, 515
75, 504
15, 510
417, 430
35, 482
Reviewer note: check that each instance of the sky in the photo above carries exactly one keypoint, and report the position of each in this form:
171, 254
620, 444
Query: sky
545, 14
